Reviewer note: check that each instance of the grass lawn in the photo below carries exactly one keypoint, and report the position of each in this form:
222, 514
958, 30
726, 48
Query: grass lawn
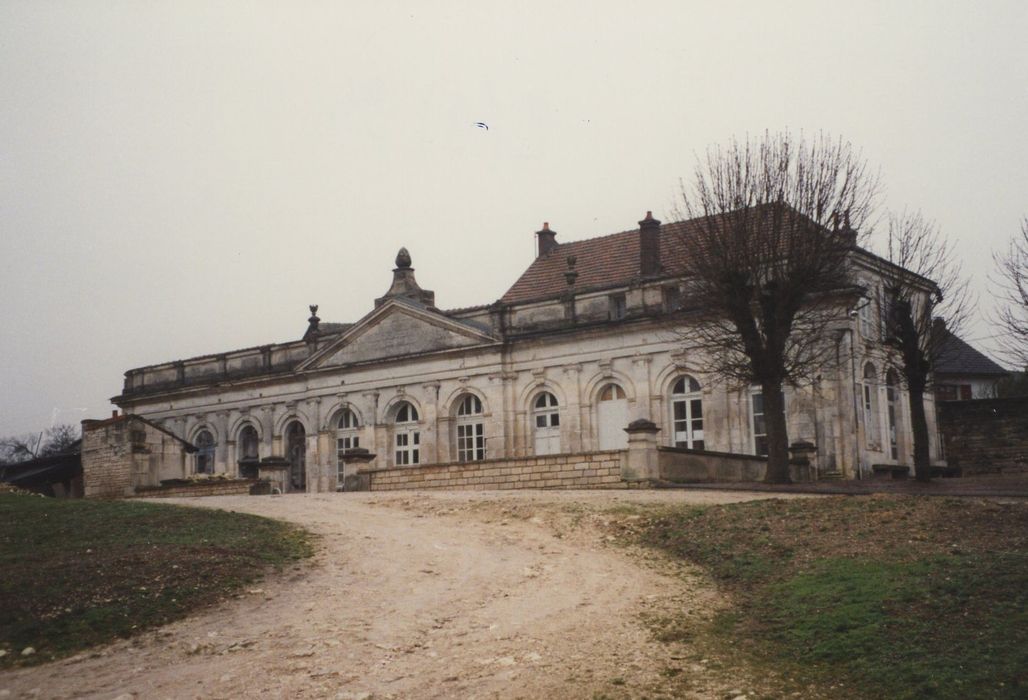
876, 597
76, 573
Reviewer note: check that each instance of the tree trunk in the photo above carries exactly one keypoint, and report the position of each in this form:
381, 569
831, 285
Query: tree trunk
777, 436
919, 427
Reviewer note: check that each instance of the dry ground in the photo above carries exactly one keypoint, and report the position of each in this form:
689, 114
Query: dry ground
423, 595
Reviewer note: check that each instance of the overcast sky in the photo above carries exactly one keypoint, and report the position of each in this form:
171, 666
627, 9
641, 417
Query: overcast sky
181, 178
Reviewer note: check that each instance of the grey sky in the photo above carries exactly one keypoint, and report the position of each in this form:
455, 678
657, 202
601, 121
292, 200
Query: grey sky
181, 178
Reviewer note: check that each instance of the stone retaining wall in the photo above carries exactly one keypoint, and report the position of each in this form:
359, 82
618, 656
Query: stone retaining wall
684, 466
235, 487
985, 436
594, 470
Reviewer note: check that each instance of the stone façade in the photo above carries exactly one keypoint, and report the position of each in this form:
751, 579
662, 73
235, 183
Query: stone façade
585, 316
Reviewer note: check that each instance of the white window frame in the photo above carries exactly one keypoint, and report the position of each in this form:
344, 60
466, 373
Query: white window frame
757, 435
686, 397
406, 436
893, 408
546, 437
470, 431
545, 412
347, 437
865, 315
872, 413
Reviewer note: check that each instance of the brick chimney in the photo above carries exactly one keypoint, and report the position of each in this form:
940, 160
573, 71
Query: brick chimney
547, 239
649, 245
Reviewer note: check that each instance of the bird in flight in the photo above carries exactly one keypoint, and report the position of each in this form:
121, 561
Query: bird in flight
482, 125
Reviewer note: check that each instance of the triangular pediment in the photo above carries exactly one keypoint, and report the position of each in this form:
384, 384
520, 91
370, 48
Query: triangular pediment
397, 329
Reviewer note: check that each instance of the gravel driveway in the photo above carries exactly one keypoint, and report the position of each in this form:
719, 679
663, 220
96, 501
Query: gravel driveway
416, 595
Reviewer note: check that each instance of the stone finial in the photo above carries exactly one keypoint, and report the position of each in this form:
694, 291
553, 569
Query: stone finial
312, 323
572, 274
404, 284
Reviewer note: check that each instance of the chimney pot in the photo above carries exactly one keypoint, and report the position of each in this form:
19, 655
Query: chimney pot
114, 413
649, 245
547, 239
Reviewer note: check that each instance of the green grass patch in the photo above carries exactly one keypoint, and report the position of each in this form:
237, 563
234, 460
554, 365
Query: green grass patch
78, 573
897, 597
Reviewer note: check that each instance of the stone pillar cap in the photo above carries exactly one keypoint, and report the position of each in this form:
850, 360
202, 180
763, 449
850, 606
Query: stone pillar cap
642, 425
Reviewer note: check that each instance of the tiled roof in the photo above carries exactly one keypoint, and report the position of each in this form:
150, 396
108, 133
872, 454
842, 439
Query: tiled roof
958, 358
607, 261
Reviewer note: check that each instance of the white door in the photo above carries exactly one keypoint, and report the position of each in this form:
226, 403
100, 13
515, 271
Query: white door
613, 419
547, 441
546, 415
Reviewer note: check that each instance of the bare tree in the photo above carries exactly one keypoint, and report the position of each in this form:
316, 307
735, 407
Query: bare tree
766, 258
1011, 289
925, 300
60, 438
19, 448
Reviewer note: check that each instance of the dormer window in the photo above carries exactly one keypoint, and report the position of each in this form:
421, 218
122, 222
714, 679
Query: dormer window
672, 298
617, 306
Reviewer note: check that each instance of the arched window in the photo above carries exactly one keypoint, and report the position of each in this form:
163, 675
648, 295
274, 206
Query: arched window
546, 416
296, 453
687, 413
892, 396
204, 457
347, 438
406, 436
872, 417
612, 418
470, 429
248, 450
248, 443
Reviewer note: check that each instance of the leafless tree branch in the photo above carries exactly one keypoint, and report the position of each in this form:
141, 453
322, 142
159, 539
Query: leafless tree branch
926, 299
772, 223
1010, 286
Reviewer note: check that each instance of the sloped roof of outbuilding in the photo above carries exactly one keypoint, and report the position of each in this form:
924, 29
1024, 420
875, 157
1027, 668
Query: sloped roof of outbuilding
956, 357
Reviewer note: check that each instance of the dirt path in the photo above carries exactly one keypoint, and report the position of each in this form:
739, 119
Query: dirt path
414, 596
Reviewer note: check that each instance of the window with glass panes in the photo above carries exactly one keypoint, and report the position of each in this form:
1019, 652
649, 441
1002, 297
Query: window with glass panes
546, 411
347, 436
759, 424
892, 396
871, 414
687, 413
470, 430
248, 442
865, 311
406, 436
204, 458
